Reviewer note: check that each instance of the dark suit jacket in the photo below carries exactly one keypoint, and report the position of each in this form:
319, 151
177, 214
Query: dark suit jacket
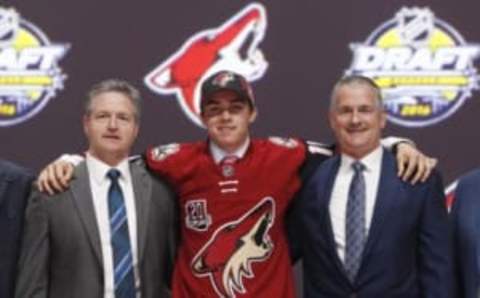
407, 250
465, 217
61, 255
15, 185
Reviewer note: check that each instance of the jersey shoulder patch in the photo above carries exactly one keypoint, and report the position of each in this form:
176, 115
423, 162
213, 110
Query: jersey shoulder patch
284, 142
319, 148
161, 152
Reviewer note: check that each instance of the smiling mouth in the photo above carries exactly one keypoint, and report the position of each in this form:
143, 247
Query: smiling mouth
355, 130
226, 129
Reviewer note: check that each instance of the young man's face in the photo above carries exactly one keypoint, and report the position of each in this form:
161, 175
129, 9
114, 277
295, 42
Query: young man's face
357, 119
111, 127
227, 119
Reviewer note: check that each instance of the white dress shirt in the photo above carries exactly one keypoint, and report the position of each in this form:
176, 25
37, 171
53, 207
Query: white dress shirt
218, 153
99, 184
339, 197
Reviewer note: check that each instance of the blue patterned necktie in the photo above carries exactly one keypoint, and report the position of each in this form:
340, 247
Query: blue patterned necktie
122, 252
355, 231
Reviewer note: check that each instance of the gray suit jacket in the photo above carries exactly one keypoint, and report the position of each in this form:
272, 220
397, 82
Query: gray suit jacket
61, 255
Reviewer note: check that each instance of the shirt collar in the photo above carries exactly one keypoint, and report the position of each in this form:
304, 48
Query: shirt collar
371, 161
218, 154
98, 169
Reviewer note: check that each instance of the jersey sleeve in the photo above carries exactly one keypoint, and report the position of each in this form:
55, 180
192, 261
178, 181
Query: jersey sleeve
316, 153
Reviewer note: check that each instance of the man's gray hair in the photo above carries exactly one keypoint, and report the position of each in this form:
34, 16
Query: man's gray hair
115, 85
350, 80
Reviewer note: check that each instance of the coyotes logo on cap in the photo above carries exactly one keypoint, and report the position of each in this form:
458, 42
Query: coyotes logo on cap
223, 79
232, 46
422, 64
227, 258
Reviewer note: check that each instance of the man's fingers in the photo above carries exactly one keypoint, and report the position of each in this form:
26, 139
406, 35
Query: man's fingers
58, 170
52, 179
68, 173
39, 184
42, 183
62, 173
421, 169
401, 165
48, 189
410, 165
55, 177
431, 163
413, 165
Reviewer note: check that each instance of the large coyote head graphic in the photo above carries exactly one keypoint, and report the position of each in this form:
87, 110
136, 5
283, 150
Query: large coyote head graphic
228, 256
232, 46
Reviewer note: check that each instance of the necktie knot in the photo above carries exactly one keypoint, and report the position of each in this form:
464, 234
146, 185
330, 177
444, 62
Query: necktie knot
113, 174
229, 160
358, 167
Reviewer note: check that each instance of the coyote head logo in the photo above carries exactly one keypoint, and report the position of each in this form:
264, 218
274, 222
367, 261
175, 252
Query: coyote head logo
228, 256
232, 46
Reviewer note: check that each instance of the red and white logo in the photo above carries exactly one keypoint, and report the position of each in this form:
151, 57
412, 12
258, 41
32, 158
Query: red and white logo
228, 256
450, 194
232, 46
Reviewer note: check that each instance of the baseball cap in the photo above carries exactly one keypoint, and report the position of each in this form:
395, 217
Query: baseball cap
226, 80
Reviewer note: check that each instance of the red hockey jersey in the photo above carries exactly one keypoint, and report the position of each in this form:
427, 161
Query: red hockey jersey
233, 242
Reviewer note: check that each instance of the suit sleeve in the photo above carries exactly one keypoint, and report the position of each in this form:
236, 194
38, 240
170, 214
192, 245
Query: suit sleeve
316, 154
435, 244
456, 262
32, 276
294, 226
15, 198
173, 236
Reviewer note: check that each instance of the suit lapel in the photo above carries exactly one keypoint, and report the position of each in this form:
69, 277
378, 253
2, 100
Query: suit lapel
4, 181
142, 190
325, 189
389, 189
476, 243
82, 197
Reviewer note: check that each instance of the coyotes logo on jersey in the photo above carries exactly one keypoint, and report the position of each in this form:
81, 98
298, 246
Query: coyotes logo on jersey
232, 46
228, 256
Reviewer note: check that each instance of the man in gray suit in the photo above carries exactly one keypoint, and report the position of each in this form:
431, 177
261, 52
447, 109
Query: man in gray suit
111, 235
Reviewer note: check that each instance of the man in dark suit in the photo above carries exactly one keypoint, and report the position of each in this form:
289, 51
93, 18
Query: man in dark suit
465, 217
112, 233
362, 231
15, 185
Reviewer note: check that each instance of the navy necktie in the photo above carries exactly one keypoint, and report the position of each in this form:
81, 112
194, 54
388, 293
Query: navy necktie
355, 231
121, 249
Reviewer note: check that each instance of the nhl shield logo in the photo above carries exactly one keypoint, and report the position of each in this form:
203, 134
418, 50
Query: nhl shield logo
9, 22
415, 25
